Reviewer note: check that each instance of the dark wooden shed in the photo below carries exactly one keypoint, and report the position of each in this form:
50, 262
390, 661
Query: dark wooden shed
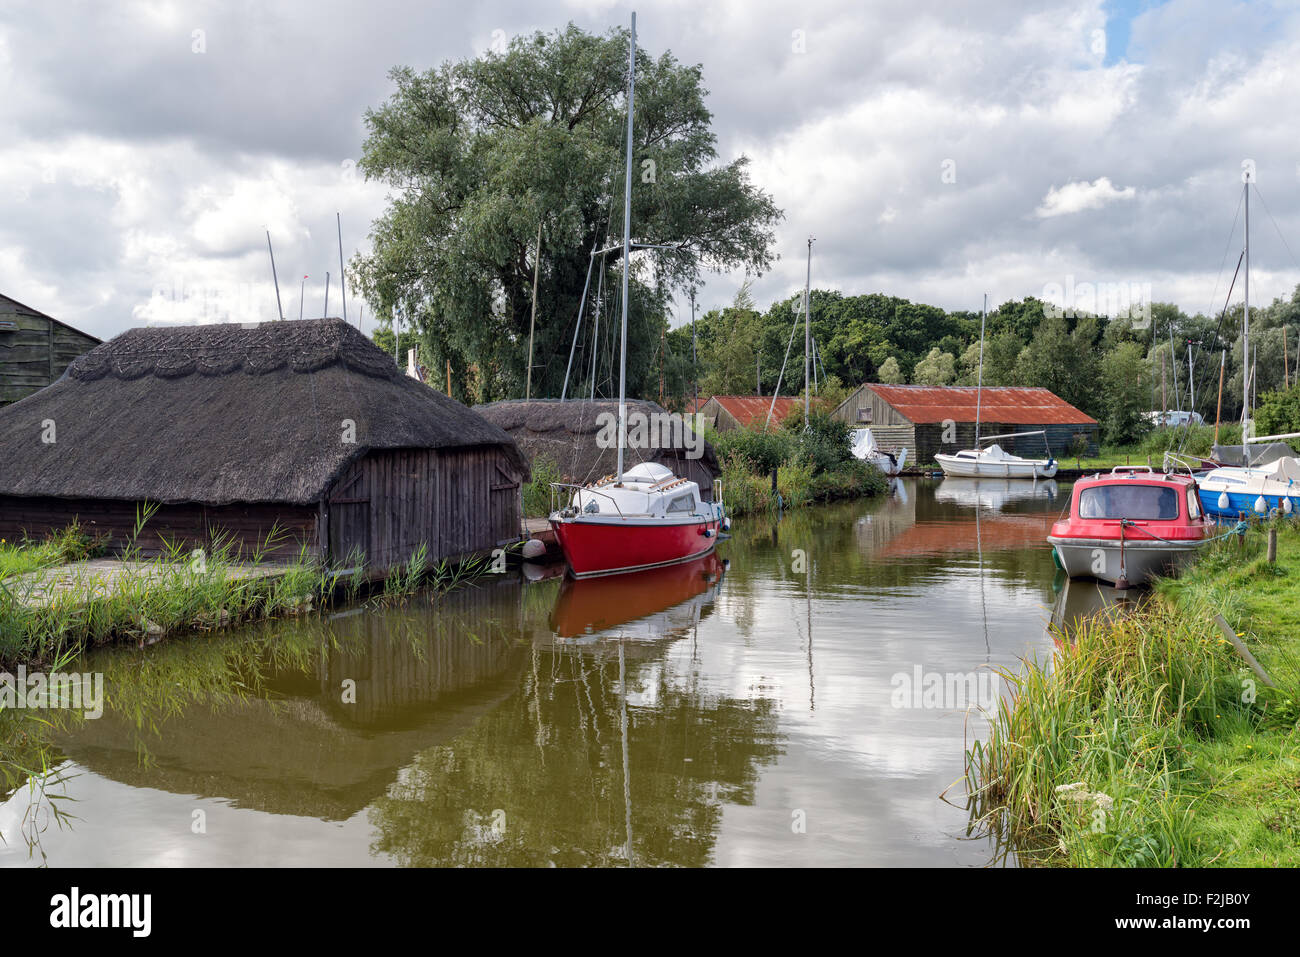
34, 349
233, 430
565, 434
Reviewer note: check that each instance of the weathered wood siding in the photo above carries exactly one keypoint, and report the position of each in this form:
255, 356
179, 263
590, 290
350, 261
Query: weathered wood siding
455, 502
930, 438
865, 409
246, 527
34, 350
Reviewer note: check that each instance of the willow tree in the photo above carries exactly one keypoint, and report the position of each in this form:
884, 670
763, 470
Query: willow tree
485, 155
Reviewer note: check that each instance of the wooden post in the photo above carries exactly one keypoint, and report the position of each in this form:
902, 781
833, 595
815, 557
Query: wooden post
449, 378
1242, 650
1272, 546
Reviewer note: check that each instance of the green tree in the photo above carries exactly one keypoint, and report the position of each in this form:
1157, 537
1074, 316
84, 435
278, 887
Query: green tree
1125, 393
937, 368
729, 357
482, 153
1278, 412
890, 373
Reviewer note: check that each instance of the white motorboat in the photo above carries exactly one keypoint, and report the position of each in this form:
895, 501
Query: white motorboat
995, 462
864, 447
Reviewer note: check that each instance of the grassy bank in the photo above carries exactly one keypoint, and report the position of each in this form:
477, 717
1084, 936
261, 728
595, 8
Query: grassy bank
180, 591
1147, 741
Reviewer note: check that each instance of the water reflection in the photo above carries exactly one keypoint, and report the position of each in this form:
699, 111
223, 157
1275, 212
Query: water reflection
995, 494
684, 716
1081, 601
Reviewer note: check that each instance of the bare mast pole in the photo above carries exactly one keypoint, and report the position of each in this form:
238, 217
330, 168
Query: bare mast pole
338, 218
278, 308
1245, 322
807, 332
979, 380
532, 323
627, 252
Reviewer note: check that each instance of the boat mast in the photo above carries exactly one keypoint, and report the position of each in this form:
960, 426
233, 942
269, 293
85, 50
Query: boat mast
807, 331
979, 382
627, 252
1245, 322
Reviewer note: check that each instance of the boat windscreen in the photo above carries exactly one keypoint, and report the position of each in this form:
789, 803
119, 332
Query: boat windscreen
1149, 502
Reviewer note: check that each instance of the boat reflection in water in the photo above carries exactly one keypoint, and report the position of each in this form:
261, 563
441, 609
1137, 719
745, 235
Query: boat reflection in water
656, 605
1082, 601
993, 493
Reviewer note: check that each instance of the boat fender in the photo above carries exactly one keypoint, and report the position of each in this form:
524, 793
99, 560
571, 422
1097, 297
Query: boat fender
1056, 560
1223, 500
708, 533
726, 522
1261, 506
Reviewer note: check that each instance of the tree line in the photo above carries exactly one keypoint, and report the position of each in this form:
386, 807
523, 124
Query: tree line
1114, 369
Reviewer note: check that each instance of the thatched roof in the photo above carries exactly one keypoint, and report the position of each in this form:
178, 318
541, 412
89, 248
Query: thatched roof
225, 413
565, 433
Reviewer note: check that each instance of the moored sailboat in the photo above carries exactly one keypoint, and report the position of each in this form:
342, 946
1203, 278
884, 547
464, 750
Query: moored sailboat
645, 516
994, 461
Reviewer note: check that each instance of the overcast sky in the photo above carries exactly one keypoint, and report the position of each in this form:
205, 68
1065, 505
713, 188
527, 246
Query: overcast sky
936, 150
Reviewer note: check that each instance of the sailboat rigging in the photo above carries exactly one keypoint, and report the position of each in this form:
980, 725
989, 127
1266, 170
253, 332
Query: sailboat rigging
642, 517
994, 461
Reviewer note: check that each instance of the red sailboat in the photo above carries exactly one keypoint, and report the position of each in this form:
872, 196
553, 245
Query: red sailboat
647, 518
644, 517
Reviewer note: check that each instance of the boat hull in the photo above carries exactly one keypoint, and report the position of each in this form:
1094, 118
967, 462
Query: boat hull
611, 547
1100, 558
971, 468
1242, 503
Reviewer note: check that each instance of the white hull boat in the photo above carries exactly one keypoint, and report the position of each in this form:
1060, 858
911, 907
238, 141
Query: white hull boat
994, 462
1231, 492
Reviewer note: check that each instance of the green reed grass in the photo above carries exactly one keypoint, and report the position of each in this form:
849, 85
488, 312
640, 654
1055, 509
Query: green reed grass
1177, 750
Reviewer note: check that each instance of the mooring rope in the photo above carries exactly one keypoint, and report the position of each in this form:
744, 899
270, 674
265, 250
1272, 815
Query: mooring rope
1239, 529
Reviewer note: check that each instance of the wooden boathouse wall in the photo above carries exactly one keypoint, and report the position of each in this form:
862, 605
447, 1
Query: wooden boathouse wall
190, 525
456, 502
35, 349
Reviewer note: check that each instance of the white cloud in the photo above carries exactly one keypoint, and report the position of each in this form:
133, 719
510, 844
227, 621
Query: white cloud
1076, 197
166, 164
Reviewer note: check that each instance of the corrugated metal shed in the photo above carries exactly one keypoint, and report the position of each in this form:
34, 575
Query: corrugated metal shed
748, 411
927, 404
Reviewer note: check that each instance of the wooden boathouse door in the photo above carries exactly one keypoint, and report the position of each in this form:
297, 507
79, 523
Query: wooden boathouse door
348, 517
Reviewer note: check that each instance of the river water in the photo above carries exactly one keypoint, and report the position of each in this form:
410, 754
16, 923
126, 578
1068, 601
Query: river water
803, 698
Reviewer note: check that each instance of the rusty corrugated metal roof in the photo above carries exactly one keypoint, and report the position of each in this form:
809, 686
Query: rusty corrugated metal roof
751, 410
921, 404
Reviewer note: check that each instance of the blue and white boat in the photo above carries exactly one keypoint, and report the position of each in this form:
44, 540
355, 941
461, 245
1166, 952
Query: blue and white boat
1234, 492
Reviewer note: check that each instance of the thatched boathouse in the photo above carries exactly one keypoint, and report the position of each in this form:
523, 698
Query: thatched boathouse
567, 435
233, 430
